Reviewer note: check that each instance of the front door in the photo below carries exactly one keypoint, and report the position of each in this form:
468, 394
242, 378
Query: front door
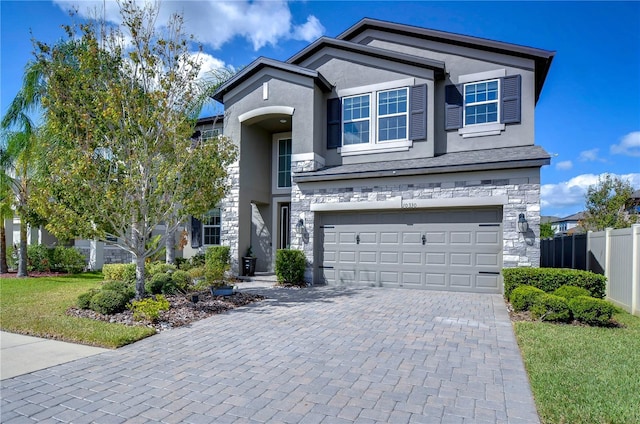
284, 225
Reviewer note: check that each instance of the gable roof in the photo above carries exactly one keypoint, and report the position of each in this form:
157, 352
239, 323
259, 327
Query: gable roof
264, 62
542, 58
475, 160
575, 217
323, 42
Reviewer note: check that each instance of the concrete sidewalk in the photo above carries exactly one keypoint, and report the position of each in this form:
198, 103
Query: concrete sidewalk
24, 354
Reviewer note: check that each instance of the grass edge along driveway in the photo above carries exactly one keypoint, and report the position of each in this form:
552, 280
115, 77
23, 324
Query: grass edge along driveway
36, 307
583, 374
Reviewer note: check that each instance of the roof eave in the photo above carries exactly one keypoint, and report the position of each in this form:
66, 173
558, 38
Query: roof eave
308, 177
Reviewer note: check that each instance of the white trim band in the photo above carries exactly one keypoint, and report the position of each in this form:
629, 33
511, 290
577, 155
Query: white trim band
400, 203
267, 110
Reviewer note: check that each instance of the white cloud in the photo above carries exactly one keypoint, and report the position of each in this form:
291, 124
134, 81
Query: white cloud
564, 165
590, 156
571, 194
215, 23
629, 145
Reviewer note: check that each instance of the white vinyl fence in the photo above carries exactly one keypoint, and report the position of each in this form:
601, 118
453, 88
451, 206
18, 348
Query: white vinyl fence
617, 254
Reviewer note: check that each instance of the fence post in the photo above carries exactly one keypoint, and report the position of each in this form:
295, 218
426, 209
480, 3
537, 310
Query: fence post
588, 252
635, 268
607, 259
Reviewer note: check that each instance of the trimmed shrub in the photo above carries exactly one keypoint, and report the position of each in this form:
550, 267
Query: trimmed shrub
523, 297
197, 260
159, 268
549, 307
591, 311
39, 258
149, 309
569, 292
109, 302
128, 289
550, 279
183, 264
217, 262
84, 300
290, 266
68, 259
155, 284
196, 272
120, 272
12, 257
182, 280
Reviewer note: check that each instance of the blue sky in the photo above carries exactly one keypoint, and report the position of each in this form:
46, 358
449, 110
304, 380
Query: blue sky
588, 116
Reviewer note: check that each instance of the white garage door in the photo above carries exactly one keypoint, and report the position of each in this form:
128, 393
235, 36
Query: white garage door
458, 250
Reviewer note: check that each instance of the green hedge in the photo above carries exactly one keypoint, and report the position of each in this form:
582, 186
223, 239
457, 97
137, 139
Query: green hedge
569, 292
119, 272
45, 259
591, 311
290, 266
523, 297
550, 279
549, 307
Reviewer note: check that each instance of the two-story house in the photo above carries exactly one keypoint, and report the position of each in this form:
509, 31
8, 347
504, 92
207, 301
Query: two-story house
391, 155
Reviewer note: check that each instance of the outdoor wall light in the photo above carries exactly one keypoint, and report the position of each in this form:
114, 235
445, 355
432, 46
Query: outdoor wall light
523, 225
300, 225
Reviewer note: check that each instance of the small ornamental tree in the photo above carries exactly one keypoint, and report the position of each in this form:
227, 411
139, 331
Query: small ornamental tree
607, 203
120, 107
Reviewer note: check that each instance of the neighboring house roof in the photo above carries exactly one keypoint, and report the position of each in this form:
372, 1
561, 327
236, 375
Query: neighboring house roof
635, 195
545, 219
575, 217
324, 42
478, 160
263, 62
542, 58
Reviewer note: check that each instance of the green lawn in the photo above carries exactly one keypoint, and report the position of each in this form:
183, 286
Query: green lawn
583, 374
36, 306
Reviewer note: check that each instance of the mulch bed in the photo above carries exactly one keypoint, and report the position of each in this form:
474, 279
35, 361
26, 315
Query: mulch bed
181, 311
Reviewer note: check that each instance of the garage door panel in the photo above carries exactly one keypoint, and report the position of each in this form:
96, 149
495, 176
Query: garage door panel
405, 249
368, 237
432, 258
369, 257
347, 256
460, 237
460, 280
487, 281
439, 237
391, 258
458, 259
411, 258
436, 280
486, 237
487, 259
389, 238
412, 238
411, 279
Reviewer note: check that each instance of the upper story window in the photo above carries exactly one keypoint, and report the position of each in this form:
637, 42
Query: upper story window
356, 112
392, 115
378, 118
284, 163
481, 102
211, 228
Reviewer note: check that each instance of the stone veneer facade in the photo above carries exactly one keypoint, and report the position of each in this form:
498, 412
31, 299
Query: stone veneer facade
523, 197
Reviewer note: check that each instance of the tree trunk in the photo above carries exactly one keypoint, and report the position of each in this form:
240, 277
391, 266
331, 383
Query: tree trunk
170, 248
22, 251
3, 248
139, 276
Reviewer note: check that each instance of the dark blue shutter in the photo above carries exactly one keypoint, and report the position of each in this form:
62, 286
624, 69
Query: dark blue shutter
511, 99
196, 233
418, 112
334, 127
453, 107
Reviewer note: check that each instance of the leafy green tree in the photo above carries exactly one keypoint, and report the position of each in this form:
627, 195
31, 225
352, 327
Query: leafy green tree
120, 107
607, 203
546, 231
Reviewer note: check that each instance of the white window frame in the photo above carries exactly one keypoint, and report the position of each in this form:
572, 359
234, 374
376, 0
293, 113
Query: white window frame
374, 145
275, 138
368, 119
391, 115
205, 225
278, 170
485, 102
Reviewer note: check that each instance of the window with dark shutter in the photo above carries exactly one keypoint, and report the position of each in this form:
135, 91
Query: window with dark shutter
453, 106
334, 127
511, 99
196, 233
418, 112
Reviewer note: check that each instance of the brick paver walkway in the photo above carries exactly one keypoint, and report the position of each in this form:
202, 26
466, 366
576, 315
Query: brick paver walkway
318, 355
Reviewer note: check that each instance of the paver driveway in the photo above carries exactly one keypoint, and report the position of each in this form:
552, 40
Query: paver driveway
319, 355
